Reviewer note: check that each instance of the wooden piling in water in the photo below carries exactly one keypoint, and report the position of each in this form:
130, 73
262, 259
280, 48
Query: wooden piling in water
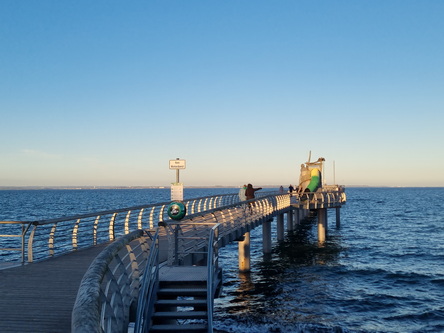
280, 227
266, 237
244, 253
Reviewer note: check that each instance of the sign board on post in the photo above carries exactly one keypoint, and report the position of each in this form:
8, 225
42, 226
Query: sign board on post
177, 164
177, 187
177, 192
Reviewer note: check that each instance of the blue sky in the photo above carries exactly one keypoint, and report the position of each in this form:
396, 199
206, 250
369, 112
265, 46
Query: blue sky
107, 92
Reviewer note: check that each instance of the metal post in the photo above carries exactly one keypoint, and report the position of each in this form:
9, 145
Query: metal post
23, 243
244, 254
176, 245
177, 174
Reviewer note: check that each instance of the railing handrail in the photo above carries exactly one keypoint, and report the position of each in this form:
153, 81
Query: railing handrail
154, 212
107, 212
240, 213
101, 290
86, 313
206, 229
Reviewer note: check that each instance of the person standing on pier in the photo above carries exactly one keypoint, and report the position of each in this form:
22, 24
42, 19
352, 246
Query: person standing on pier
242, 196
249, 192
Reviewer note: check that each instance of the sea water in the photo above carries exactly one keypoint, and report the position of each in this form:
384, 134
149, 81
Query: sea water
381, 271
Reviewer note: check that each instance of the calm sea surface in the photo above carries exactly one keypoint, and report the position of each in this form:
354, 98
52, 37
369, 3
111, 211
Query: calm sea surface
381, 271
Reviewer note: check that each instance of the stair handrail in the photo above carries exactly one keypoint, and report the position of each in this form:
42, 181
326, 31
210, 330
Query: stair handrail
150, 284
212, 268
109, 289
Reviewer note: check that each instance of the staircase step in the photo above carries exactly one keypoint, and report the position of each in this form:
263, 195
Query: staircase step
182, 291
181, 315
179, 328
181, 302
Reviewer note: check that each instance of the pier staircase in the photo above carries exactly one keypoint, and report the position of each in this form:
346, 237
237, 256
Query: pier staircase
182, 300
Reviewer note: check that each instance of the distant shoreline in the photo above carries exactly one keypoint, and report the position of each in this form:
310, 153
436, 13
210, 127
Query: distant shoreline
5, 188
114, 187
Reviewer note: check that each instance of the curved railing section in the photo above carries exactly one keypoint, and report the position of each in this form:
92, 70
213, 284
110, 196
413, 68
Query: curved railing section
145, 304
46, 238
110, 287
234, 220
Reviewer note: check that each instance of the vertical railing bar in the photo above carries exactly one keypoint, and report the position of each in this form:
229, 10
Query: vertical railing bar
51, 239
31, 244
23, 243
95, 229
24, 231
126, 225
111, 227
140, 219
161, 213
151, 218
74, 234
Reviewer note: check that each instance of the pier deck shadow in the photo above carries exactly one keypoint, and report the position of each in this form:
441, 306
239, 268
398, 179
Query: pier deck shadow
39, 297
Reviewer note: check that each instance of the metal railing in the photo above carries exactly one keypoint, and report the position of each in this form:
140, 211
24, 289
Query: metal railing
51, 237
23, 229
188, 237
326, 197
110, 287
206, 243
197, 237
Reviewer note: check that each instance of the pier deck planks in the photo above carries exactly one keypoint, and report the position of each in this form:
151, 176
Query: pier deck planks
39, 297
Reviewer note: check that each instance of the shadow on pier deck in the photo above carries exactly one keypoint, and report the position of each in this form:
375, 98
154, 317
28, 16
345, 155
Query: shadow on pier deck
39, 297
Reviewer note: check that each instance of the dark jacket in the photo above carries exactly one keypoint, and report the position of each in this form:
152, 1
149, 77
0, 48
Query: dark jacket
249, 192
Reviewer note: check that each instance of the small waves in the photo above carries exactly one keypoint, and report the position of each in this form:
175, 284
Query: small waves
381, 272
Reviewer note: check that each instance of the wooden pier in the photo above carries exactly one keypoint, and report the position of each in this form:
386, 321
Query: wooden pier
39, 297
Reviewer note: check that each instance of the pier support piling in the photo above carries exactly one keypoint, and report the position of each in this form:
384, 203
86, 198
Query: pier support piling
322, 225
244, 253
297, 216
280, 227
266, 237
338, 217
290, 220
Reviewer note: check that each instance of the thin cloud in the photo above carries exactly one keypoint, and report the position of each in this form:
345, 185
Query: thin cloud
40, 154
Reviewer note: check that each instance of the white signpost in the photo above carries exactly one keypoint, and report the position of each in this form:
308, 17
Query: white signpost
177, 188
